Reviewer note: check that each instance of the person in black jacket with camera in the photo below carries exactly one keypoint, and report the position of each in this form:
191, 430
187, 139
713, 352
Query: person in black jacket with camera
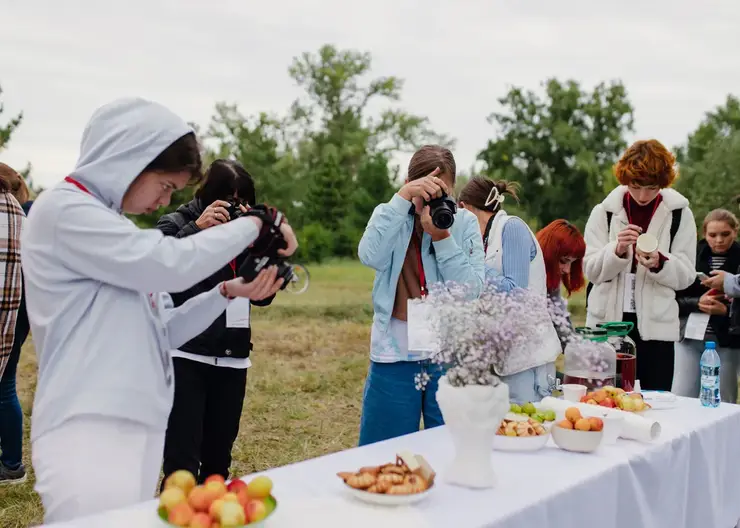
718, 251
211, 369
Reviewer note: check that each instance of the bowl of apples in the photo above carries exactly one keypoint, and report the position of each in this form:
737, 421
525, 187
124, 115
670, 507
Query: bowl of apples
577, 433
215, 502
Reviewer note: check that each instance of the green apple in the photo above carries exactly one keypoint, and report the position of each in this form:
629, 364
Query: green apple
515, 408
549, 415
529, 408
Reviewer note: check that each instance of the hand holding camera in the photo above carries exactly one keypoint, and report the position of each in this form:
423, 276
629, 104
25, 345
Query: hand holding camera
215, 214
430, 198
426, 188
266, 284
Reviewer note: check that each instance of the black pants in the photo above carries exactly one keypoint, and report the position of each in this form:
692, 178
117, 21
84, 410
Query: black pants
654, 360
204, 420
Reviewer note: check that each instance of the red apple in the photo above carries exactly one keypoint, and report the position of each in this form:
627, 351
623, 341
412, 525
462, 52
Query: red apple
201, 498
201, 520
215, 478
255, 510
608, 402
181, 514
584, 398
236, 485
216, 488
243, 496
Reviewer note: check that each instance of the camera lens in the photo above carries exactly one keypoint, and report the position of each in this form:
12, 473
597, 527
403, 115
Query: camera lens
443, 218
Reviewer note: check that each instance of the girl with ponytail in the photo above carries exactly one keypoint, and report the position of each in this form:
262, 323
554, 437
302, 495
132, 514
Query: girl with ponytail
514, 260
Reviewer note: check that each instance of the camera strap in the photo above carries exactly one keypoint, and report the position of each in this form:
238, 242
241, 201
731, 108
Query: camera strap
232, 265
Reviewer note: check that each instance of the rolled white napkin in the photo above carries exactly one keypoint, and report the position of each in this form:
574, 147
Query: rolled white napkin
634, 427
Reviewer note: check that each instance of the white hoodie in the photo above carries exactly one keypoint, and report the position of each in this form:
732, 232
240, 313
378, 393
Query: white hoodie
101, 334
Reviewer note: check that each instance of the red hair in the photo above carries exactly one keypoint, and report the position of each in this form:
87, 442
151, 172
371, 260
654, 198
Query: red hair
561, 239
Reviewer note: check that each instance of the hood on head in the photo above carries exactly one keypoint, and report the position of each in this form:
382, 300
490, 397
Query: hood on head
119, 141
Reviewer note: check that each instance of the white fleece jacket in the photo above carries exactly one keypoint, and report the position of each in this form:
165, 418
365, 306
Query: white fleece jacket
655, 293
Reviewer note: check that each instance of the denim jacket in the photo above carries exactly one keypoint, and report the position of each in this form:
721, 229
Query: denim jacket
458, 258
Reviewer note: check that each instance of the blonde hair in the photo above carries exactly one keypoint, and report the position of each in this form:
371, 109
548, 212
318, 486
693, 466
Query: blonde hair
721, 215
13, 183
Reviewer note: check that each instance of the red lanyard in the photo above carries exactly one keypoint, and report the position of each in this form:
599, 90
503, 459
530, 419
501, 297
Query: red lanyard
629, 212
422, 277
70, 179
233, 266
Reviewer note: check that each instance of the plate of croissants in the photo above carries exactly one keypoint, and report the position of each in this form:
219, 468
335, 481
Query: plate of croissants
407, 480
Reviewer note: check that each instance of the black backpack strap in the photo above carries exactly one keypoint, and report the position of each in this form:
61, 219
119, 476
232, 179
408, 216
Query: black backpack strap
675, 224
590, 286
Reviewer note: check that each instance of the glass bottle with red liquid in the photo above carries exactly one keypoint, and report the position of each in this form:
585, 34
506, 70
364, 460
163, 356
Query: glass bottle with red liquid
618, 336
590, 360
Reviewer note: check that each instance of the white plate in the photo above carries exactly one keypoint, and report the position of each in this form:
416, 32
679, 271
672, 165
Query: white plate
388, 500
517, 443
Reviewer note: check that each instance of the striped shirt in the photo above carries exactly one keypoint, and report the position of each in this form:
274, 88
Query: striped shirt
11, 224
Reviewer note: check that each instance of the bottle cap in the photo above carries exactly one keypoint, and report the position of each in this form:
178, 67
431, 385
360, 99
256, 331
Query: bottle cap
711, 344
636, 387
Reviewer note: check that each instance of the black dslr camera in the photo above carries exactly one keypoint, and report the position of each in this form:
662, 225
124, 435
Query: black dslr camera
264, 251
234, 210
442, 210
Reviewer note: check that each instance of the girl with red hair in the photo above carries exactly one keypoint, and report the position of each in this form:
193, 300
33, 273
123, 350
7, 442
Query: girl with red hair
563, 249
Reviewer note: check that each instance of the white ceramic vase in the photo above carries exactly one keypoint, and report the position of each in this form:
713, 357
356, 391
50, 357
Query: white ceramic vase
472, 415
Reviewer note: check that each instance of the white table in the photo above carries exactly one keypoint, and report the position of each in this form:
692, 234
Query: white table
689, 477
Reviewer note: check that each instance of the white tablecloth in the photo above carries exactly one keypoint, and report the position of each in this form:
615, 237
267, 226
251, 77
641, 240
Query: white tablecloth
689, 478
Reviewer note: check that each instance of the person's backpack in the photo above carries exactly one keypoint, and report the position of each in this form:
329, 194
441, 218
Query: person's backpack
675, 224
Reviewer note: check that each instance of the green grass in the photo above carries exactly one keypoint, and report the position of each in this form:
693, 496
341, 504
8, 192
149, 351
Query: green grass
304, 390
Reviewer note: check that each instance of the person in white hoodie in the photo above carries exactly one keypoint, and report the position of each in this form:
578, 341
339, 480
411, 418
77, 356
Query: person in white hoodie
641, 287
102, 332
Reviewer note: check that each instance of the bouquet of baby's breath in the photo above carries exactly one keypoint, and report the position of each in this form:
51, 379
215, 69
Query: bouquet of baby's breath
481, 335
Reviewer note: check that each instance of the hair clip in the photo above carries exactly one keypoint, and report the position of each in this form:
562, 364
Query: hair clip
494, 197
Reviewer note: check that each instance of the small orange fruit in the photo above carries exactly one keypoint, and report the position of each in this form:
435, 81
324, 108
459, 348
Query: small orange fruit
583, 424
566, 424
573, 414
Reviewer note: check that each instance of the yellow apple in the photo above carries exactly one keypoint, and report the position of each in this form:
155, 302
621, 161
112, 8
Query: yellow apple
182, 479
255, 510
171, 498
232, 515
181, 514
260, 487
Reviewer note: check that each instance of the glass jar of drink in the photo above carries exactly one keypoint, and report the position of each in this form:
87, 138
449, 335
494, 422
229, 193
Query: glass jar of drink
590, 359
618, 336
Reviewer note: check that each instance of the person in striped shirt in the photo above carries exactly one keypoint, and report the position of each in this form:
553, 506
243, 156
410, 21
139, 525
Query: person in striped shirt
717, 252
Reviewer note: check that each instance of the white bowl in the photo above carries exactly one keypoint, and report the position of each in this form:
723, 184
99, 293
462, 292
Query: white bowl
577, 441
388, 500
520, 443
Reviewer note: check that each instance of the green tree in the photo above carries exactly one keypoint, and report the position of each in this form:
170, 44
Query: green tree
560, 147
8, 128
710, 161
336, 111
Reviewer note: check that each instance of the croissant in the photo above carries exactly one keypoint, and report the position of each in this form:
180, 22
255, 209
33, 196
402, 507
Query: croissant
391, 478
393, 469
382, 486
361, 481
344, 475
417, 483
373, 470
400, 489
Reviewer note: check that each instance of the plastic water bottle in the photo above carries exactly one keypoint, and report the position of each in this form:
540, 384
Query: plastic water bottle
709, 394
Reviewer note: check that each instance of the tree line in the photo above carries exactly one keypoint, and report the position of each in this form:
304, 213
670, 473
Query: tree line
327, 161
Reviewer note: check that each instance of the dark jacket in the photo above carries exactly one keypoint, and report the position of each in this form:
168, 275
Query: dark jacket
217, 340
688, 299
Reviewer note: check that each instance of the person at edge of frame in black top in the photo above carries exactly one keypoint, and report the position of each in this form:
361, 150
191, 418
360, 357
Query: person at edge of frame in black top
211, 369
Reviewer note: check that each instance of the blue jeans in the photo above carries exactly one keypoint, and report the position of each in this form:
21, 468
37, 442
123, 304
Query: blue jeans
11, 415
531, 385
392, 405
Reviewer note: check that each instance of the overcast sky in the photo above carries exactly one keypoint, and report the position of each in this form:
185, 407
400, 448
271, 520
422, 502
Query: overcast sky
61, 60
